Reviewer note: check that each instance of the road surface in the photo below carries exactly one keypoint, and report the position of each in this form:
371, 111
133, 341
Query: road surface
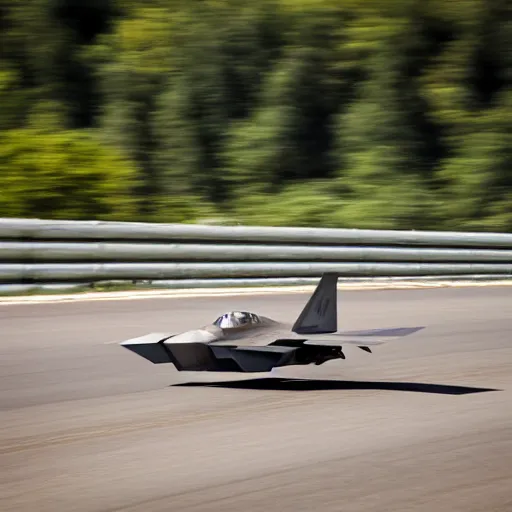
422, 424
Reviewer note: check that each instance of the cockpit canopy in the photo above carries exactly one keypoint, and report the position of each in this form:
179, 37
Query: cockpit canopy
236, 319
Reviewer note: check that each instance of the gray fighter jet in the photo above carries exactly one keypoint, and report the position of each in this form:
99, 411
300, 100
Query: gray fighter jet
240, 341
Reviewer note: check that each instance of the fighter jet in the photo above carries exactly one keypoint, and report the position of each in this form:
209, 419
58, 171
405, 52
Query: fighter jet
241, 341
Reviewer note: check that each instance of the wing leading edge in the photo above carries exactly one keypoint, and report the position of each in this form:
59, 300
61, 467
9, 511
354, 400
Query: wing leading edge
365, 338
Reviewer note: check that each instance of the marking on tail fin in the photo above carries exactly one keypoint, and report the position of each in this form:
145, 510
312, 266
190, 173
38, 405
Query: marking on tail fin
322, 306
320, 313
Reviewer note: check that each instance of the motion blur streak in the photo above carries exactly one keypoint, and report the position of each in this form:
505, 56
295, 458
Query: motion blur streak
362, 113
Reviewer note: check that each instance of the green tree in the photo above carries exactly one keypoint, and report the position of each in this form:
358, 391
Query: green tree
132, 65
386, 146
359, 113
477, 192
288, 137
63, 175
214, 84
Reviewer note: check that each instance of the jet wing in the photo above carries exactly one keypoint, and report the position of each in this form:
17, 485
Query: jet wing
394, 332
366, 338
338, 341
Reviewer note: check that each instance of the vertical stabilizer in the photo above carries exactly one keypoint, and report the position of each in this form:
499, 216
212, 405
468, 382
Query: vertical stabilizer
321, 312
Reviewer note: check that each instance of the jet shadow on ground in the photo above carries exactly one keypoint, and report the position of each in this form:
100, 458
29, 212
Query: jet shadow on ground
281, 384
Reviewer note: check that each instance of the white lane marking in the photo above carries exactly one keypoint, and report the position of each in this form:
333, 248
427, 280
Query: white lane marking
230, 292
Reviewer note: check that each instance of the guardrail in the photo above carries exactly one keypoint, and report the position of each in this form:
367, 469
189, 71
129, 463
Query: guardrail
40, 251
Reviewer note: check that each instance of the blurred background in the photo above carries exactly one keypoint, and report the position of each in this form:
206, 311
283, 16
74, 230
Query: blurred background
354, 113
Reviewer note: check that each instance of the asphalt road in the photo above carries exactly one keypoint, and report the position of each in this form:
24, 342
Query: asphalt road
422, 424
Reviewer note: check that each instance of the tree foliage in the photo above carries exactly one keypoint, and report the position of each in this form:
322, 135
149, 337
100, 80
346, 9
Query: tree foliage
63, 175
359, 113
